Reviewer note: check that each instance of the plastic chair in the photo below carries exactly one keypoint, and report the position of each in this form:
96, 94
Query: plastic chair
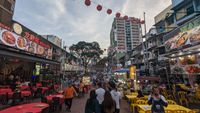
171, 102
192, 111
182, 98
143, 98
44, 100
17, 98
133, 106
56, 103
169, 111
3, 99
140, 102
180, 111
148, 111
39, 92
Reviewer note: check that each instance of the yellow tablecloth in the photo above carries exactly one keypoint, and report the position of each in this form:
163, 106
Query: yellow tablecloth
144, 108
183, 86
131, 97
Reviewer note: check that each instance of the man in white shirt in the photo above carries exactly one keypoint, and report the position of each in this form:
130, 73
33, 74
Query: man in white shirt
100, 93
116, 95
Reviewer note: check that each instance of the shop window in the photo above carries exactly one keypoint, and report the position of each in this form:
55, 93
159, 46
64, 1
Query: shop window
170, 20
198, 5
190, 10
181, 14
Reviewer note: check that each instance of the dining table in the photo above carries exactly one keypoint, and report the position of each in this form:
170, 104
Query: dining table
4, 86
5, 90
26, 108
24, 87
26, 93
38, 84
50, 98
145, 108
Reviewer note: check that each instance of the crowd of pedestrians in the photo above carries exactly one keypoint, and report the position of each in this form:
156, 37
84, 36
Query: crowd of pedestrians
104, 99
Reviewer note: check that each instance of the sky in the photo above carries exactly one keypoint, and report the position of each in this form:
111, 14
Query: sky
72, 21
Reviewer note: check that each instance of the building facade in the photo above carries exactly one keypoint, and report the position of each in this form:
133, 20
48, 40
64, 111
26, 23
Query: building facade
54, 39
125, 35
185, 10
6, 11
164, 21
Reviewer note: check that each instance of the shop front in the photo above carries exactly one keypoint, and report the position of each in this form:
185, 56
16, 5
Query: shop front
21, 51
182, 46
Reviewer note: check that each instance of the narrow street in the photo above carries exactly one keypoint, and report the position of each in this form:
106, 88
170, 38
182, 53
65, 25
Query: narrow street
78, 106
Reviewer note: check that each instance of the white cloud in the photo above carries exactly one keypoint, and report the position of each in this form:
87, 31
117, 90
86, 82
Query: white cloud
73, 21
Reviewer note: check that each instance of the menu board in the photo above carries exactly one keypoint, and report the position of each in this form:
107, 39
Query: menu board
27, 43
188, 34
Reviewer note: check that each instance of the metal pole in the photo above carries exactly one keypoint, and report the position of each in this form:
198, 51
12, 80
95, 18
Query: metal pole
144, 44
145, 29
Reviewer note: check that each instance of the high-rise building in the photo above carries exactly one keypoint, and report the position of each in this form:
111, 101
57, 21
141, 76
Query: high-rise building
125, 35
6, 11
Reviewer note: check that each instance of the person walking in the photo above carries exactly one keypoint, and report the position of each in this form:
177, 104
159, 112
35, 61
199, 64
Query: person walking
92, 104
108, 104
116, 96
157, 101
100, 93
69, 94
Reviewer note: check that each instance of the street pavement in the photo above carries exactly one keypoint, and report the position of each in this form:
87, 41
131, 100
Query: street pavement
78, 106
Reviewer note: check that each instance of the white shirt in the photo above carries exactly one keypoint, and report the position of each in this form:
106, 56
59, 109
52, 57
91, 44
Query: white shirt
116, 97
100, 95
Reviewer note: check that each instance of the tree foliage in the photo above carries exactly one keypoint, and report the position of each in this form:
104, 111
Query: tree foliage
86, 51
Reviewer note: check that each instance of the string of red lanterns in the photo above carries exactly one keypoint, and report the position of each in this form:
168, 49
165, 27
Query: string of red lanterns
117, 15
87, 2
99, 7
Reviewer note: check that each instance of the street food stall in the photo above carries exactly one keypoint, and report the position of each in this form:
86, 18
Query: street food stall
121, 75
182, 44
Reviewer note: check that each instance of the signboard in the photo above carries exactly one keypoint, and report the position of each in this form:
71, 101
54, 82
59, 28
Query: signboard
86, 80
28, 42
132, 72
188, 34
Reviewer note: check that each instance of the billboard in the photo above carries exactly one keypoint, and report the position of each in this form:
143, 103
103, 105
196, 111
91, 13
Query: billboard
186, 35
28, 42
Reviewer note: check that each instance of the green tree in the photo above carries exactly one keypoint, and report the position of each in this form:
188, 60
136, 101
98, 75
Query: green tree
86, 52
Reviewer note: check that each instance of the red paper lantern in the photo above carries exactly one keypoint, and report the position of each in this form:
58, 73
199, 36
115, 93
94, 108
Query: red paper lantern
118, 15
126, 17
87, 2
109, 11
99, 7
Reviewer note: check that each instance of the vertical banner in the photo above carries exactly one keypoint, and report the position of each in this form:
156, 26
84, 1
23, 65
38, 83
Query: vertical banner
132, 72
